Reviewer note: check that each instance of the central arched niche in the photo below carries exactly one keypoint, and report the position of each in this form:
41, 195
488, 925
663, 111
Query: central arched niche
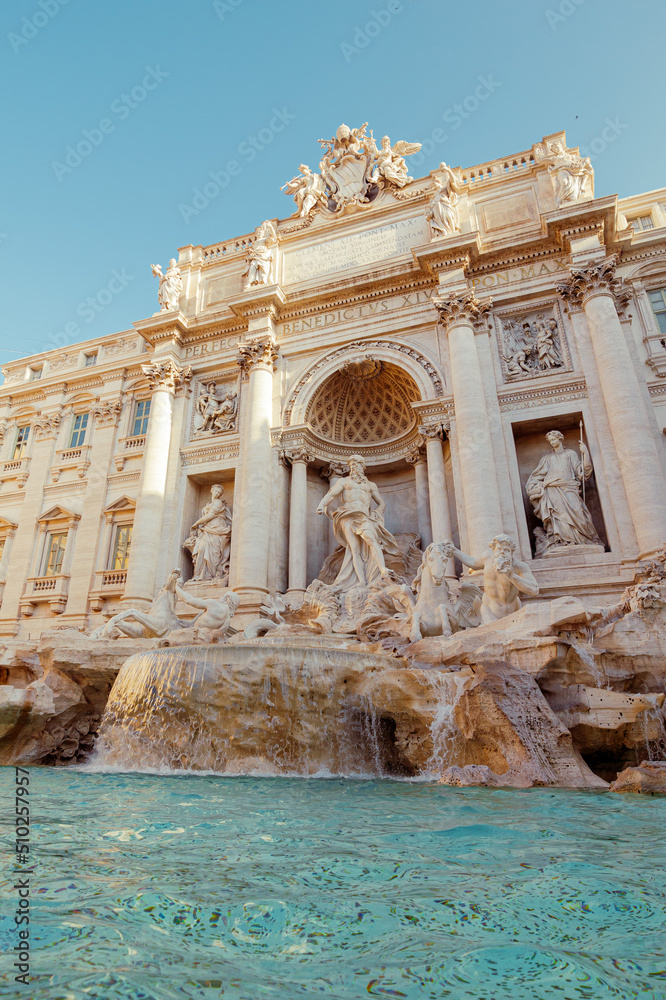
366, 401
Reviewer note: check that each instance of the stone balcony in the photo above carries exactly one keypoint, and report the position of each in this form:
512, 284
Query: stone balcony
71, 458
108, 583
16, 468
51, 590
129, 447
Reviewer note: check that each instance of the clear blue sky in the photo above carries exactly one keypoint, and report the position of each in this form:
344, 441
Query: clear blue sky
210, 74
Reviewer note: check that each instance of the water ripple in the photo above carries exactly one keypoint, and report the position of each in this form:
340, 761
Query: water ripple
169, 887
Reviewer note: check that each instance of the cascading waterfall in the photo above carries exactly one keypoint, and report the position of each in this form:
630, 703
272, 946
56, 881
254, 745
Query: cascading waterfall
274, 707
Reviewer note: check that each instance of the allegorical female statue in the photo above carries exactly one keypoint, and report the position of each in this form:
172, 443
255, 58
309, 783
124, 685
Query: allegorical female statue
209, 540
171, 285
554, 489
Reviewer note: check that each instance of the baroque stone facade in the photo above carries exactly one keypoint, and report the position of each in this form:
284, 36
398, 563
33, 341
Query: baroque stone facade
438, 328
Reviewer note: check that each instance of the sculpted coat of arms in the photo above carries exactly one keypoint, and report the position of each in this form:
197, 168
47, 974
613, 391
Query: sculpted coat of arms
354, 170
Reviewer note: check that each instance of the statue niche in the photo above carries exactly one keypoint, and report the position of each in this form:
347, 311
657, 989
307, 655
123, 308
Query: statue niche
561, 500
209, 540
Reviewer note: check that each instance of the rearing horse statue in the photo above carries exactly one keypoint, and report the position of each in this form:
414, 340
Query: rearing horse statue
435, 612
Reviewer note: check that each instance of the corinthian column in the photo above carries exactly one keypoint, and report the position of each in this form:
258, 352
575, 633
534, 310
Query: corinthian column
166, 378
252, 512
418, 460
595, 288
298, 513
462, 315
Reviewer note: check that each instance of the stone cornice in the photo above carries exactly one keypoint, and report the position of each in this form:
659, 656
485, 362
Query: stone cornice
258, 301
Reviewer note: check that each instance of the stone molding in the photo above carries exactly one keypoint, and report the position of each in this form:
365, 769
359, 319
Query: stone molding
542, 395
463, 307
166, 375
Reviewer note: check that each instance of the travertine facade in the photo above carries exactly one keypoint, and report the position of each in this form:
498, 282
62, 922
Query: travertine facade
437, 327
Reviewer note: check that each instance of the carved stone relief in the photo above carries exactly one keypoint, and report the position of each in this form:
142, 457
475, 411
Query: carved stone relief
215, 408
532, 343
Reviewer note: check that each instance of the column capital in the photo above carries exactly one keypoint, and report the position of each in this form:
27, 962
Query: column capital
438, 430
334, 470
258, 352
595, 278
298, 453
166, 375
106, 412
415, 456
46, 426
463, 307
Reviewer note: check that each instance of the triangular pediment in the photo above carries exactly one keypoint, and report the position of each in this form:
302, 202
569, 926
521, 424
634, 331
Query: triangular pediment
7, 525
58, 513
124, 503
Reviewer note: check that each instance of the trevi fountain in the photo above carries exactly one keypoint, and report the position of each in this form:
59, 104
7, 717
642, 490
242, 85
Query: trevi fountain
377, 496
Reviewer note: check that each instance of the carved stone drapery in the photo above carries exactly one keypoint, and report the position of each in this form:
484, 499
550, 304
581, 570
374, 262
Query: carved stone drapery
592, 278
106, 412
167, 375
463, 306
46, 426
258, 352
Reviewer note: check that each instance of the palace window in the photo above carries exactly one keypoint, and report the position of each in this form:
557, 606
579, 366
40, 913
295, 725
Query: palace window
658, 302
141, 414
79, 430
90, 359
121, 546
54, 553
21, 444
641, 222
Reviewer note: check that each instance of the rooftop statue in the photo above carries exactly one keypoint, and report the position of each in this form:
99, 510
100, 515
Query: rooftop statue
353, 172
308, 190
260, 255
171, 285
573, 175
442, 210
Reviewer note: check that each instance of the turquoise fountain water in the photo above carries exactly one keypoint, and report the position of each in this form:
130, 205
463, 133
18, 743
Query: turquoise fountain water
200, 886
